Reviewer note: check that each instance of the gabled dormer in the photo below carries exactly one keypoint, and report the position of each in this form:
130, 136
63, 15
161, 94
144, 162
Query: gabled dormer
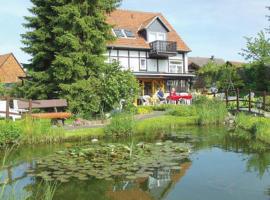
154, 29
155, 32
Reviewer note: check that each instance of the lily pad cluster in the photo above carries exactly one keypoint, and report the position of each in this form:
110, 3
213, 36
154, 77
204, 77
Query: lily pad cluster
109, 161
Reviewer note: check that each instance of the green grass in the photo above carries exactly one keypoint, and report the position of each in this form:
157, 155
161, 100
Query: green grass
84, 133
122, 124
207, 111
258, 126
162, 124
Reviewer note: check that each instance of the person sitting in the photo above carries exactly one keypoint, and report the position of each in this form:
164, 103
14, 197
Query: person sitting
173, 92
160, 95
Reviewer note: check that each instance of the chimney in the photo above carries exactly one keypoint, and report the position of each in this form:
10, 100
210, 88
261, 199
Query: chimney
212, 57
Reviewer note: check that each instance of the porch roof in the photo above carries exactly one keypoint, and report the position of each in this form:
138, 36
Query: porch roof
165, 76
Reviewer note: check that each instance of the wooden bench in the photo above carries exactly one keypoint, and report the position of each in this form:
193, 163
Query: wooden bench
53, 105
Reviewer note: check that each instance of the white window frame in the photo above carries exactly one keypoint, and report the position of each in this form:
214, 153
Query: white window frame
156, 36
144, 68
176, 66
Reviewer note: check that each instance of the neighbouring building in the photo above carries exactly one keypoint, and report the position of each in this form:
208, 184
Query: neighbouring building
236, 64
10, 69
148, 45
195, 63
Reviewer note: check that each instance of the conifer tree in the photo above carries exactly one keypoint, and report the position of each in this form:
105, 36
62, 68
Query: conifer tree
67, 40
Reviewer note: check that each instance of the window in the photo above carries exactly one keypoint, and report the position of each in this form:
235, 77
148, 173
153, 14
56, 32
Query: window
129, 34
176, 66
119, 33
113, 59
123, 33
143, 64
153, 36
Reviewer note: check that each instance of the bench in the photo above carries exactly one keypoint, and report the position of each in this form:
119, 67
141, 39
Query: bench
53, 105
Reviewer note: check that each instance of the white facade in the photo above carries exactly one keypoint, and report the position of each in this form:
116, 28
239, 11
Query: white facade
139, 61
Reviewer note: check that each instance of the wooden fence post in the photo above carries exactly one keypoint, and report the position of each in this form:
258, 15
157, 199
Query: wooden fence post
7, 107
249, 101
30, 106
237, 99
226, 97
264, 101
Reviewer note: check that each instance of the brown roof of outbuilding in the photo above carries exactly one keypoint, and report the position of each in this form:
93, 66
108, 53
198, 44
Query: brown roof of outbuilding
201, 61
236, 63
10, 69
3, 58
136, 20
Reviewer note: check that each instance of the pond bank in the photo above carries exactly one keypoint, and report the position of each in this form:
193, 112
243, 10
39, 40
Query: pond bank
256, 125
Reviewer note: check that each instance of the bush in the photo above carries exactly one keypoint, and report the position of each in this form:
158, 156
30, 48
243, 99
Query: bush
121, 125
9, 133
258, 126
210, 111
163, 124
183, 111
39, 131
144, 110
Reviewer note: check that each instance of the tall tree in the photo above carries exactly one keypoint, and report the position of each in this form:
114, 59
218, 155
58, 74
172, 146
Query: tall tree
257, 52
268, 18
67, 40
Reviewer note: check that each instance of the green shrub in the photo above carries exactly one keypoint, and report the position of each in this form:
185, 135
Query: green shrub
121, 125
9, 132
162, 124
210, 111
267, 102
258, 126
39, 131
183, 111
144, 110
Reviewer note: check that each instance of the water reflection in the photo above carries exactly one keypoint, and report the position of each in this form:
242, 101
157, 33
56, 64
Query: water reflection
240, 150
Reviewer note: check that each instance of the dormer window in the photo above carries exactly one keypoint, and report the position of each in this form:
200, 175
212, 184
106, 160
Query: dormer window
119, 33
123, 33
129, 33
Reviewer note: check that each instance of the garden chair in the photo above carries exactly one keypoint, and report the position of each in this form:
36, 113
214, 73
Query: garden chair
145, 100
13, 113
16, 107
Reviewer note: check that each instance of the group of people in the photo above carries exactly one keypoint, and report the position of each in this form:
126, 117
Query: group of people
173, 96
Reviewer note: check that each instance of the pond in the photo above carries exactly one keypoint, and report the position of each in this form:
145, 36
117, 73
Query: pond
219, 166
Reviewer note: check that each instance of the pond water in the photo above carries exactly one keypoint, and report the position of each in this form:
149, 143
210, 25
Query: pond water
220, 166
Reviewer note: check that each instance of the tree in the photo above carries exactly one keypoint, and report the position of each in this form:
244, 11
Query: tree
222, 76
86, 96
67, 40
268, 18
257, 53
257, 49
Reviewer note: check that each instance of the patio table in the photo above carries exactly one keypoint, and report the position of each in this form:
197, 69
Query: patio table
179, 97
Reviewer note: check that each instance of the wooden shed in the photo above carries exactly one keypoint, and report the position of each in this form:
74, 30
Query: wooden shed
10, 69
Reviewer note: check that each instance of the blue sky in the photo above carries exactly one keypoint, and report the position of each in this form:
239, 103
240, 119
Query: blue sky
209, 27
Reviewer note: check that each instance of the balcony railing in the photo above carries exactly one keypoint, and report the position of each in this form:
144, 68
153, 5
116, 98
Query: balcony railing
163, 49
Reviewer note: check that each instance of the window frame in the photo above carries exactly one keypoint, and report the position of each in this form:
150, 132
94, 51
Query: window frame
181, 65
156, 36
145, 64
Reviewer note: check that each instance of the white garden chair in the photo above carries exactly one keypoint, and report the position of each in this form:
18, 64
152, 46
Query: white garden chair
14, 114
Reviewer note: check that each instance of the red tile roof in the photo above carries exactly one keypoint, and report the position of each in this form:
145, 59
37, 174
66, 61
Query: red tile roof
134, 21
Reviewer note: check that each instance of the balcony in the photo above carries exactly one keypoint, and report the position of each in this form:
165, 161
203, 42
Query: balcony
162, 49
